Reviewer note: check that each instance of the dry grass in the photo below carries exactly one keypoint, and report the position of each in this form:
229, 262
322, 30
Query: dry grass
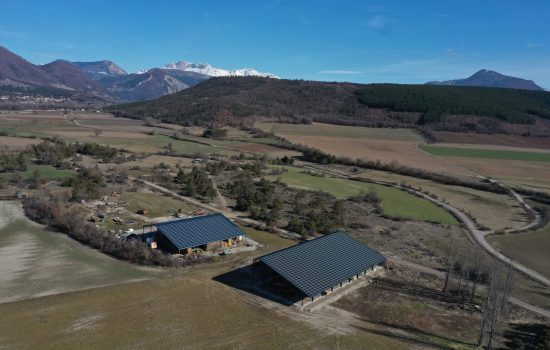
191, 311
8, 143
157, 205
387, 151
529, 248
511, 170
416, 313
36, 262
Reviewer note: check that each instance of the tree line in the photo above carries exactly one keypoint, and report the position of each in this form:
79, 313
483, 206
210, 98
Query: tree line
55, 213
55, 151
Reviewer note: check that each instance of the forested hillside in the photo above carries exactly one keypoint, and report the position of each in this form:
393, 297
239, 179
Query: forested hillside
229, 99
232, 100
514, 106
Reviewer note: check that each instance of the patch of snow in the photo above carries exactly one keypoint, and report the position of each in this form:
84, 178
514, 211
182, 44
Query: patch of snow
207, 69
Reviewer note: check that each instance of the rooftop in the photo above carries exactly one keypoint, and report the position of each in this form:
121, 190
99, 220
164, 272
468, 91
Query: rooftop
199, 230
321, 263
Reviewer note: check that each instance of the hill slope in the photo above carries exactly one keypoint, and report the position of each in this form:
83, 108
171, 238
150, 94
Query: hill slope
151, 84
230, 100
100, 69
489, 78
69, 76
16, 71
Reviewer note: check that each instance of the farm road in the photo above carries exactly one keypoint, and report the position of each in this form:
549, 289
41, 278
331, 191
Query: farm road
477, 235
467, 221
225, 211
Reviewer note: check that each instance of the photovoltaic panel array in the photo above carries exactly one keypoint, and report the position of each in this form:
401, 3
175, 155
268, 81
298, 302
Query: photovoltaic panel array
319, 264
193, 232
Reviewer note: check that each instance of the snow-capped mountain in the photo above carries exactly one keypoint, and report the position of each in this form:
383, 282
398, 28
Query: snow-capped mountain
207, 69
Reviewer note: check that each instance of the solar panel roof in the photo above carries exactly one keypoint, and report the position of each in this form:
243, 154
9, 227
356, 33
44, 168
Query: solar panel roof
319, 264
187, 233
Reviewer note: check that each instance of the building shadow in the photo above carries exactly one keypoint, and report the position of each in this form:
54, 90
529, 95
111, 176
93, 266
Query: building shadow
526, 336
271, 288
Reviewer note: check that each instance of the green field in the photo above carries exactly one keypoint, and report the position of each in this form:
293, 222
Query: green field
158, 143
318, 129
156, 204
487, 153
46, 171
395, 203
269, 240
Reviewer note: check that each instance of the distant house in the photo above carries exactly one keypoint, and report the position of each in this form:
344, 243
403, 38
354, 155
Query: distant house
314, 268
208, 233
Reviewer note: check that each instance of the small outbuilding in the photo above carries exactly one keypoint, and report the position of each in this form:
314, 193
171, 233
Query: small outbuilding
207, 233
314, 268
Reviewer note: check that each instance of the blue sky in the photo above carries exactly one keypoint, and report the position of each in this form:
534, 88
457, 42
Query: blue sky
406, 41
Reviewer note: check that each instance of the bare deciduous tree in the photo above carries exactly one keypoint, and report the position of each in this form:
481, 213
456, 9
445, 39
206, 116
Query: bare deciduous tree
451, 260
497, 292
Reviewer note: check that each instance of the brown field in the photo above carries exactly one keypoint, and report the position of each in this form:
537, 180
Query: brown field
27, 115
386, 145
386, 151
16, 143
499, 140
510, 170
191, 310
415, 305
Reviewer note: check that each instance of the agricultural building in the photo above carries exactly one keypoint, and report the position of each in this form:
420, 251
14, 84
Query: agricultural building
314, 268
208, 233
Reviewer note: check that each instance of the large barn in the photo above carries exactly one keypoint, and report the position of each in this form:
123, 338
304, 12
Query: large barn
314, 268
208, 233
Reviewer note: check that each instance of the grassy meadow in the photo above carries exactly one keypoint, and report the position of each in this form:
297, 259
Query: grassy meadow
45, 171
487, 153
395, 203
156, 204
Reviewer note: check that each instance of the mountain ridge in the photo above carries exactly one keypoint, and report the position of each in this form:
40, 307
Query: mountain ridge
489, 78
207, 69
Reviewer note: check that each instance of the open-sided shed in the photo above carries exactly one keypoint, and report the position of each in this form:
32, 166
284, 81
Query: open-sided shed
314, 267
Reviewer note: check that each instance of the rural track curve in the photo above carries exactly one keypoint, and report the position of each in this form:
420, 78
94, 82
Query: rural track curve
477, 235
425, 269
